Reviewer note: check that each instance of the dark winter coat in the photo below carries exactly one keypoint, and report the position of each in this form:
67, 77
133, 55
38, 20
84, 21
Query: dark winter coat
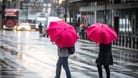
105, 55
40, 28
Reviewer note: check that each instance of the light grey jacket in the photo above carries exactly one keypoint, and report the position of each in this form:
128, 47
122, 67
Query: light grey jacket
63, 52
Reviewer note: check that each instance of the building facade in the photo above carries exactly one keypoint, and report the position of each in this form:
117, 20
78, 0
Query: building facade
122, 15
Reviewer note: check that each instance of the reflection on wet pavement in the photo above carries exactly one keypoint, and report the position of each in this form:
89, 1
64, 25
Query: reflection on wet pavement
18, 74
38, 59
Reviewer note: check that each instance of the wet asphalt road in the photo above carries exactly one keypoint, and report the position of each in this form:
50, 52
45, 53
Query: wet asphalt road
29, 56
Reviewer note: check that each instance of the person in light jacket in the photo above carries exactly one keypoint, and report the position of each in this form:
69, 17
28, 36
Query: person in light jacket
104, 59
63, 60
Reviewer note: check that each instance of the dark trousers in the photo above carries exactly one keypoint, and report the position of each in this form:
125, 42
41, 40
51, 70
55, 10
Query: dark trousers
106, 69
62, 61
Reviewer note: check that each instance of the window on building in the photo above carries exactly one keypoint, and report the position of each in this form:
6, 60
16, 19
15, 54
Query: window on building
125, 25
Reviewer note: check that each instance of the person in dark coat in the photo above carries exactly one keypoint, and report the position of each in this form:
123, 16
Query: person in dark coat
40, 29
104, 59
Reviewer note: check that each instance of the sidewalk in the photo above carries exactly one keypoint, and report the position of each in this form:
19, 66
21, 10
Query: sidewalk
125, 54
122, 56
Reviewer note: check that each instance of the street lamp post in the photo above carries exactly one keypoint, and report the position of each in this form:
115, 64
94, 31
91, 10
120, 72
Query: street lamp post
105, 11
2, 11
66, 2
26, 13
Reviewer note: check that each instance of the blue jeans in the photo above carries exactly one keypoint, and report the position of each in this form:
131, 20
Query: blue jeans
62, 61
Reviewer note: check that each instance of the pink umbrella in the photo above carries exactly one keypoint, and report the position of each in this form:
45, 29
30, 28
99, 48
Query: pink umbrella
66, 38
63, 34
101, 33
53, 28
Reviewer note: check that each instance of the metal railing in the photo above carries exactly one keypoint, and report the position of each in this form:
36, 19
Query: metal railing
127, 42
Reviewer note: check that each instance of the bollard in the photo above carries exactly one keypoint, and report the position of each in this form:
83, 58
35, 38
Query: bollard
134, 42
120, 42
137, 42
123, 41
127, 41
130, 42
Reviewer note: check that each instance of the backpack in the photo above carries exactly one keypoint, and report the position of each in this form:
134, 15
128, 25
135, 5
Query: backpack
71, 50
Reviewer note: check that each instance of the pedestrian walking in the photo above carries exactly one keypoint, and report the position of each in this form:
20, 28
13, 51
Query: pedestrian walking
65, 37
104, 35
104, 59
40, 29
82, 30
63, 54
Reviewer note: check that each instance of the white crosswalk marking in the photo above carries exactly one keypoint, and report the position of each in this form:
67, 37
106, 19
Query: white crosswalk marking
39, 58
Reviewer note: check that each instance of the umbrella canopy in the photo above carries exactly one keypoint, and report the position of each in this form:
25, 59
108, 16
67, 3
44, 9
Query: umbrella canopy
63, 34
101, 33
66, 38
54, 28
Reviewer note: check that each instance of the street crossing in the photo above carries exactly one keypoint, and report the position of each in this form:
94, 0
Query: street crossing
40, 56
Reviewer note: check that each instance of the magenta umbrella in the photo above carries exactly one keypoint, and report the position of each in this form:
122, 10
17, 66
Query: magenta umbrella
63, 34
54, 28
66, 38
101, 33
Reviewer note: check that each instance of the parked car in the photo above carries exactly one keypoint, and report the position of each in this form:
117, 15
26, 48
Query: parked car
24, 26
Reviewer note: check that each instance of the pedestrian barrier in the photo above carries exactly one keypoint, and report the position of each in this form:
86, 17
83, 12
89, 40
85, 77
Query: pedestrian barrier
130, 42
125, 55
122, 54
